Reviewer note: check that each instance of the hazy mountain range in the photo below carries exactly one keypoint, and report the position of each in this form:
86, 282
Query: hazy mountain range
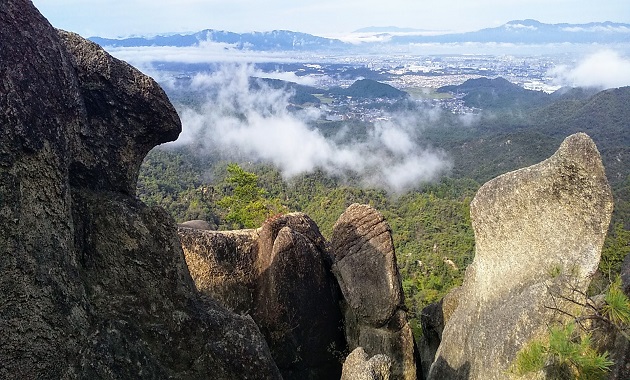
276, 40
521, 31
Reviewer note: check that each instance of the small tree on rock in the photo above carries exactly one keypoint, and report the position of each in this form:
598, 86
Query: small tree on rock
248, 205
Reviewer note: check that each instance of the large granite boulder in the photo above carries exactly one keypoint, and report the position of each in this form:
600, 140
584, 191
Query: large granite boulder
280, 274
93, 283
146, 318
365, 267
223, 265
127, 115
358, 366
297, 300
538, 233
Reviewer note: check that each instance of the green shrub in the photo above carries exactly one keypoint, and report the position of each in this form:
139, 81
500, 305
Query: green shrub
617, 307
564, 354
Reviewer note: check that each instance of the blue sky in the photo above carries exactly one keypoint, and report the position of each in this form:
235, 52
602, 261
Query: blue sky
115, 18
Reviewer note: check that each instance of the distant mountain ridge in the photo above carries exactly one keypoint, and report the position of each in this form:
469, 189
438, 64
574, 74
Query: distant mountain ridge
518, 31
532, 31
276, 40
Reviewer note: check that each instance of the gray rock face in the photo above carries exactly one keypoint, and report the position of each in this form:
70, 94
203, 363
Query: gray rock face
358, 366
146, 318
93, 283
433, 318
432, 321
365, 267
114, 141
280, 274
365, 264
39, 301
297, 300
537, 231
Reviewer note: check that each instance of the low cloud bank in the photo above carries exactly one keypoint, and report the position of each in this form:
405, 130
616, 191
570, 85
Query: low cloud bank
602, 70
207, 52
241, 124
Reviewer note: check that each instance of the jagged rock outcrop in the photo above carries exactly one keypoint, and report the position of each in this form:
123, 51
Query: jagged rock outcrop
280, 274
93, 283
127, 115
365, 267
358, 366
42, 300
297, 299
538, 232
146, 318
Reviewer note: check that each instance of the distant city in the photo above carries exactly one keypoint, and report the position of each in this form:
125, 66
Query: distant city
524, 52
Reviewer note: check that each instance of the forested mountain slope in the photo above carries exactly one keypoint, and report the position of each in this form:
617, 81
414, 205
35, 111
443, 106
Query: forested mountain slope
431, 224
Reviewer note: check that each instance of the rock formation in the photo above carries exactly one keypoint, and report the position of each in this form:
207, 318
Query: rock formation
538, 232
280, 274
432, 319
107, 86
365, 266
94, 283
359, 367
223, 265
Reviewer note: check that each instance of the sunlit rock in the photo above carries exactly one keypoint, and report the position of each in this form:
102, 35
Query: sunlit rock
365, 266
538, 233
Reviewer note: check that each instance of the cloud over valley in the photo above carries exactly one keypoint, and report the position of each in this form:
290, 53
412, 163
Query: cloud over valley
242, 123
602, 69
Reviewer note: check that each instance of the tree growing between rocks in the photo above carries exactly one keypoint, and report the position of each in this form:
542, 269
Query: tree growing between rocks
569, 351
248, 205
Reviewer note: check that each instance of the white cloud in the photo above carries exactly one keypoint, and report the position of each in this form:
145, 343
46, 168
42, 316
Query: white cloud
520, 26
598, 28
289, 76
603, 69
240, 124
208, 52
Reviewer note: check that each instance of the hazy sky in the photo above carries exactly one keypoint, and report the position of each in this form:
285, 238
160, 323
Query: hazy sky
114, 18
